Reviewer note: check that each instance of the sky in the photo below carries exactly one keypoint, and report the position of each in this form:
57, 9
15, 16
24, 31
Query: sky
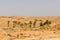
29, 7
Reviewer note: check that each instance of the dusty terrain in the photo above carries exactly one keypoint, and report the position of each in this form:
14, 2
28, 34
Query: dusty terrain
21, 28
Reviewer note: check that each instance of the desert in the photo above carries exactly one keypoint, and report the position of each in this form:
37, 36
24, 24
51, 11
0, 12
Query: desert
29, 28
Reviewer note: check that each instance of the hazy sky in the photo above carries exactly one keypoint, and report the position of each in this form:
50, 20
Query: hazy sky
30, 7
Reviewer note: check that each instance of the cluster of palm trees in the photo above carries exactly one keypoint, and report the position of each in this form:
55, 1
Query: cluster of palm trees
47, 22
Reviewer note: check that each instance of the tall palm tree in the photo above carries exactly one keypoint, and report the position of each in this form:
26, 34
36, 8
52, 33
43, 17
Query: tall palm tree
25, 24
30, 24
19, 23
34, 24
8, 23
41, 24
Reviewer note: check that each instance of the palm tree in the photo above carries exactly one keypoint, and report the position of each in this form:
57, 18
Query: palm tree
30, 24
34, 24
8, 23
47, 22
41, 24
19, 23
14, 23
25, 24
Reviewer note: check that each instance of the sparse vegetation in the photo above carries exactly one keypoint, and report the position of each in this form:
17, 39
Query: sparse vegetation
14, 24
21, 29
30, 24
47, 22
34, 22
8, 23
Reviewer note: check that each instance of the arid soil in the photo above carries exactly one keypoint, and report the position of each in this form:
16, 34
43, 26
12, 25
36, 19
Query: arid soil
29, 28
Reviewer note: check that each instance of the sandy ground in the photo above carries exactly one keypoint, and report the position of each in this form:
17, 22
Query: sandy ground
52, 34
34, 35
42, 35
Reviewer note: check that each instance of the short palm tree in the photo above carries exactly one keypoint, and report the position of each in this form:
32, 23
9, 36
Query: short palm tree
14, 23
47, 22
